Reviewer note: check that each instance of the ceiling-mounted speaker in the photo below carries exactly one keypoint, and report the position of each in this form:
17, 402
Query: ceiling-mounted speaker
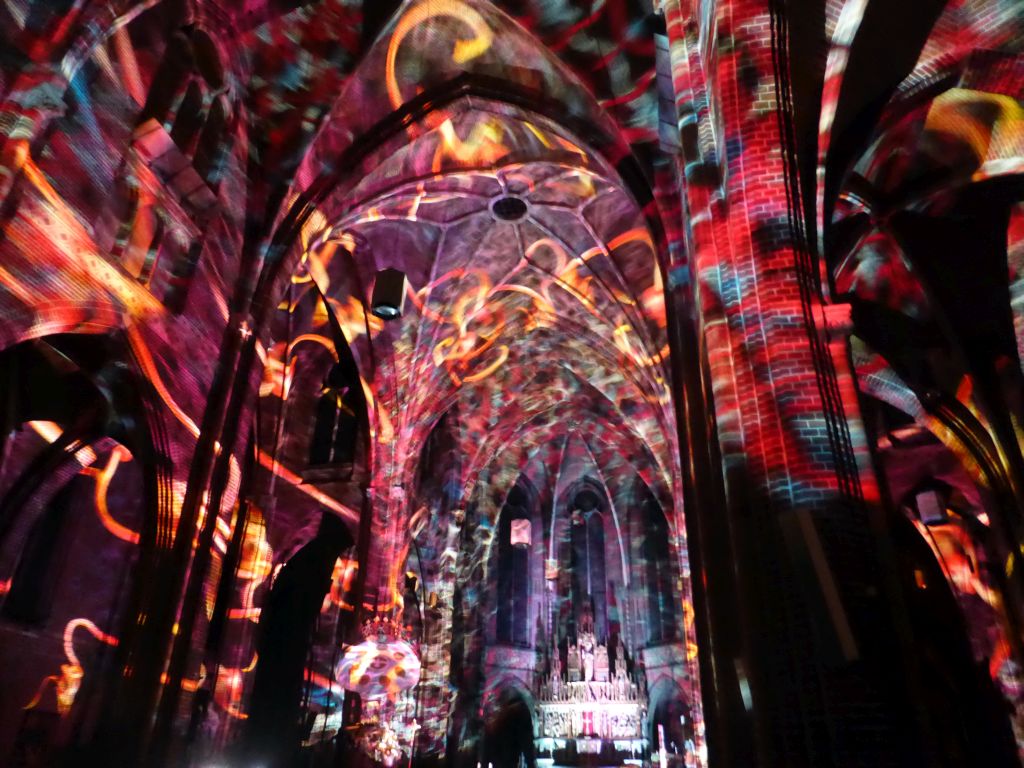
931, 506
388, 294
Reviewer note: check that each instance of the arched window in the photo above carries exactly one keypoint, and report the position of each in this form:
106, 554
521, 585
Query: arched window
336, 431
189, 118
589, 584
670, 720
141, 259
661, 613
513, 564
173, 171
210, 151
170, 77
187, 97
33, 586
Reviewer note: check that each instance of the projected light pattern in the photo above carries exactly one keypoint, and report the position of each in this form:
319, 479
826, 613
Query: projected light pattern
520, 334
67, 684
963, 136
197, 199
110, 482
103, 238
534, 335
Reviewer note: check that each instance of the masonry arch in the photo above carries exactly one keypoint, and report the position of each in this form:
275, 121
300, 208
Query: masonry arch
509, 732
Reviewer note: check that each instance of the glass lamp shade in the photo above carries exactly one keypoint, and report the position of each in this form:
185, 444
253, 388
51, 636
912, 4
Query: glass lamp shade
379, 669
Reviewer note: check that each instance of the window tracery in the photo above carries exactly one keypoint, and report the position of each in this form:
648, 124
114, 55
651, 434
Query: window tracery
513, 614
166, 187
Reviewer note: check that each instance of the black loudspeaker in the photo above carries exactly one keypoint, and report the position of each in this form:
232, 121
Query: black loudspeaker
388, 294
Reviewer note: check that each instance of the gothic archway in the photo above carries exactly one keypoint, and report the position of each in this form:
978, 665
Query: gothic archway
670, 727
509, 730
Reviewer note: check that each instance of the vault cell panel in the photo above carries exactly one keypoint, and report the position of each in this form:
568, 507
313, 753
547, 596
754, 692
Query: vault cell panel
570, 187
402, 244
444, 207
564, 225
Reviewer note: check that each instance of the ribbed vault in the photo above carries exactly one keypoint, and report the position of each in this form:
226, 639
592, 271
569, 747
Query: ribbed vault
534, 299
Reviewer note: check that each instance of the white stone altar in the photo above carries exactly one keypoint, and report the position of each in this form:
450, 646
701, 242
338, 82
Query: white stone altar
612, 710
601, 711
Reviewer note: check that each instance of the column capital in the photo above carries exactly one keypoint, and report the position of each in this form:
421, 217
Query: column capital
835, 321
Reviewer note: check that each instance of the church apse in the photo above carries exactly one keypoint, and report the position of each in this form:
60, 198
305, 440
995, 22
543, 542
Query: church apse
583, 617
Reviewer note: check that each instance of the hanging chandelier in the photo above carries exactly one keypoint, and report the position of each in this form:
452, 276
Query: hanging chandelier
379, 669
384, 664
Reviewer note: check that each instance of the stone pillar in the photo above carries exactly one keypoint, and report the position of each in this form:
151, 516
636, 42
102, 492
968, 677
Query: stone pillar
837, 325
814, 662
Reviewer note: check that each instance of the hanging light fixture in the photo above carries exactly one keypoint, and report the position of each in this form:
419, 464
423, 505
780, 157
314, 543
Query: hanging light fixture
520, 533
383, 664
379, 669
